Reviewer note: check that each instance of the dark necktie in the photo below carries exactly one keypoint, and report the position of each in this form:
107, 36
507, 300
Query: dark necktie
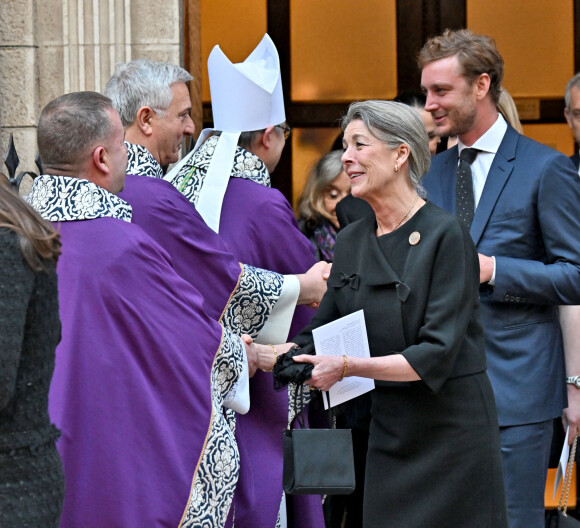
464, 200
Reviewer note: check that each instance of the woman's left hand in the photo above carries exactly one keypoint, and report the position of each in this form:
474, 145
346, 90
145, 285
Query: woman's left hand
327, 370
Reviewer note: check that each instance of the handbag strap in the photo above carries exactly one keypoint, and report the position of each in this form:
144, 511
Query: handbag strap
563, 504
331, 418
299, 406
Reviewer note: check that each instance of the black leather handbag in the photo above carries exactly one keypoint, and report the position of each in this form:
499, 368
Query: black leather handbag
317, 461
558, 519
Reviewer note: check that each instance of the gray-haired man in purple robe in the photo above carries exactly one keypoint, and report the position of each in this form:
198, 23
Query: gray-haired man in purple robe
153, 101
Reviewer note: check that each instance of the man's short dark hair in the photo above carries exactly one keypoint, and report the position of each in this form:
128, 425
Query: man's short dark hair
70, 125
246, 139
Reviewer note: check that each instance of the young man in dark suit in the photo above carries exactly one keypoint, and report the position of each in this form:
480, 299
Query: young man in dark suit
521, 202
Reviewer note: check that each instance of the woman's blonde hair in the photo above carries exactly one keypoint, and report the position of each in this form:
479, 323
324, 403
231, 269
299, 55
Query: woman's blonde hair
507, 108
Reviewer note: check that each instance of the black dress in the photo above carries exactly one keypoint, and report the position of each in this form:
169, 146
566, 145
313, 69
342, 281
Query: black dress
434, 453
31, 476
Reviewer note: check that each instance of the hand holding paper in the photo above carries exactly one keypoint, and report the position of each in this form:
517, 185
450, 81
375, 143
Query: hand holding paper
345, 336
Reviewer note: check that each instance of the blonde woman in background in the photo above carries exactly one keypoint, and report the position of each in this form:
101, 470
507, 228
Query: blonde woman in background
507, 108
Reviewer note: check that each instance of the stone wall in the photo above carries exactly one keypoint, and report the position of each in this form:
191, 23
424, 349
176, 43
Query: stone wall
52, 47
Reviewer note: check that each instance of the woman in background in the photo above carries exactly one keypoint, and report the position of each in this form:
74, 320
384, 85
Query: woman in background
508, 109
31, 477
326, 186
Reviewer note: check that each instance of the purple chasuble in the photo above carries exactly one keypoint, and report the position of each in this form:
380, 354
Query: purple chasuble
259, 226
134, 387
198, 254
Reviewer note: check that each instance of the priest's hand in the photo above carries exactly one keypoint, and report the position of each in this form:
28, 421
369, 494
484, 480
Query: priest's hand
263, 357
313, 284
251, 354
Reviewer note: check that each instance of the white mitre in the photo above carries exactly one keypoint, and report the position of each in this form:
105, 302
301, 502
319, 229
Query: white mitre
244, 97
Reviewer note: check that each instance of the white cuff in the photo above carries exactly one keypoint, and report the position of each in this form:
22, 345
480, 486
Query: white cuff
238, 398
276, 328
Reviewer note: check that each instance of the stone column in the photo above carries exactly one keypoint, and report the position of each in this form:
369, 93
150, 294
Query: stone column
52, 47
18, 80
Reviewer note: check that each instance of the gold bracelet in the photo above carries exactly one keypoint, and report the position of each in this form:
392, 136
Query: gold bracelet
275, 359
344, 368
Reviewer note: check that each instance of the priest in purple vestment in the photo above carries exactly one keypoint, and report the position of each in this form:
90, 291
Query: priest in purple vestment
153, 102
227, 178
142, 374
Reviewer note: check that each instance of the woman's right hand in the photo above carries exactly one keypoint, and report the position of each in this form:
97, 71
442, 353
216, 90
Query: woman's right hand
327, 370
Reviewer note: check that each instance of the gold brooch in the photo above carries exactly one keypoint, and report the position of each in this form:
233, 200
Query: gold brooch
414, 238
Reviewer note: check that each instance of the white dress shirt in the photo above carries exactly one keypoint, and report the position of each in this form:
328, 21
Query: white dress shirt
488, 144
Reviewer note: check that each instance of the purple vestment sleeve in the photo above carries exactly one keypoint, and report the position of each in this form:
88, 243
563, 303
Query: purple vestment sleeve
198, 254
259, 226
240, 297
134, 388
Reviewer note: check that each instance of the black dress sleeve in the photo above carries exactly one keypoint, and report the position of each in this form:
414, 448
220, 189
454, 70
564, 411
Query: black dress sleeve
451, 332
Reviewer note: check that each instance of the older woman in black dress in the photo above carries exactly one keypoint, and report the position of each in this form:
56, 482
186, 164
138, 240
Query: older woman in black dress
31, 476
434, 454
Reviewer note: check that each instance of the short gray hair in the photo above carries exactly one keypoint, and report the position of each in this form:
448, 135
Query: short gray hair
143, 82
394, 124
574, 81
70, 125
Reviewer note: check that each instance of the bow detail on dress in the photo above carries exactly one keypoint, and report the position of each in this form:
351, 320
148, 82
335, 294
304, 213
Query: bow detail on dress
403, 291
352, 280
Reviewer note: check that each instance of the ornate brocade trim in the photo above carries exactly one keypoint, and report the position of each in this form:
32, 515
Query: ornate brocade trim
248, 166
190, 178
282, 505
141, 162
66, 198
252, 301
292, 397
218, 468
